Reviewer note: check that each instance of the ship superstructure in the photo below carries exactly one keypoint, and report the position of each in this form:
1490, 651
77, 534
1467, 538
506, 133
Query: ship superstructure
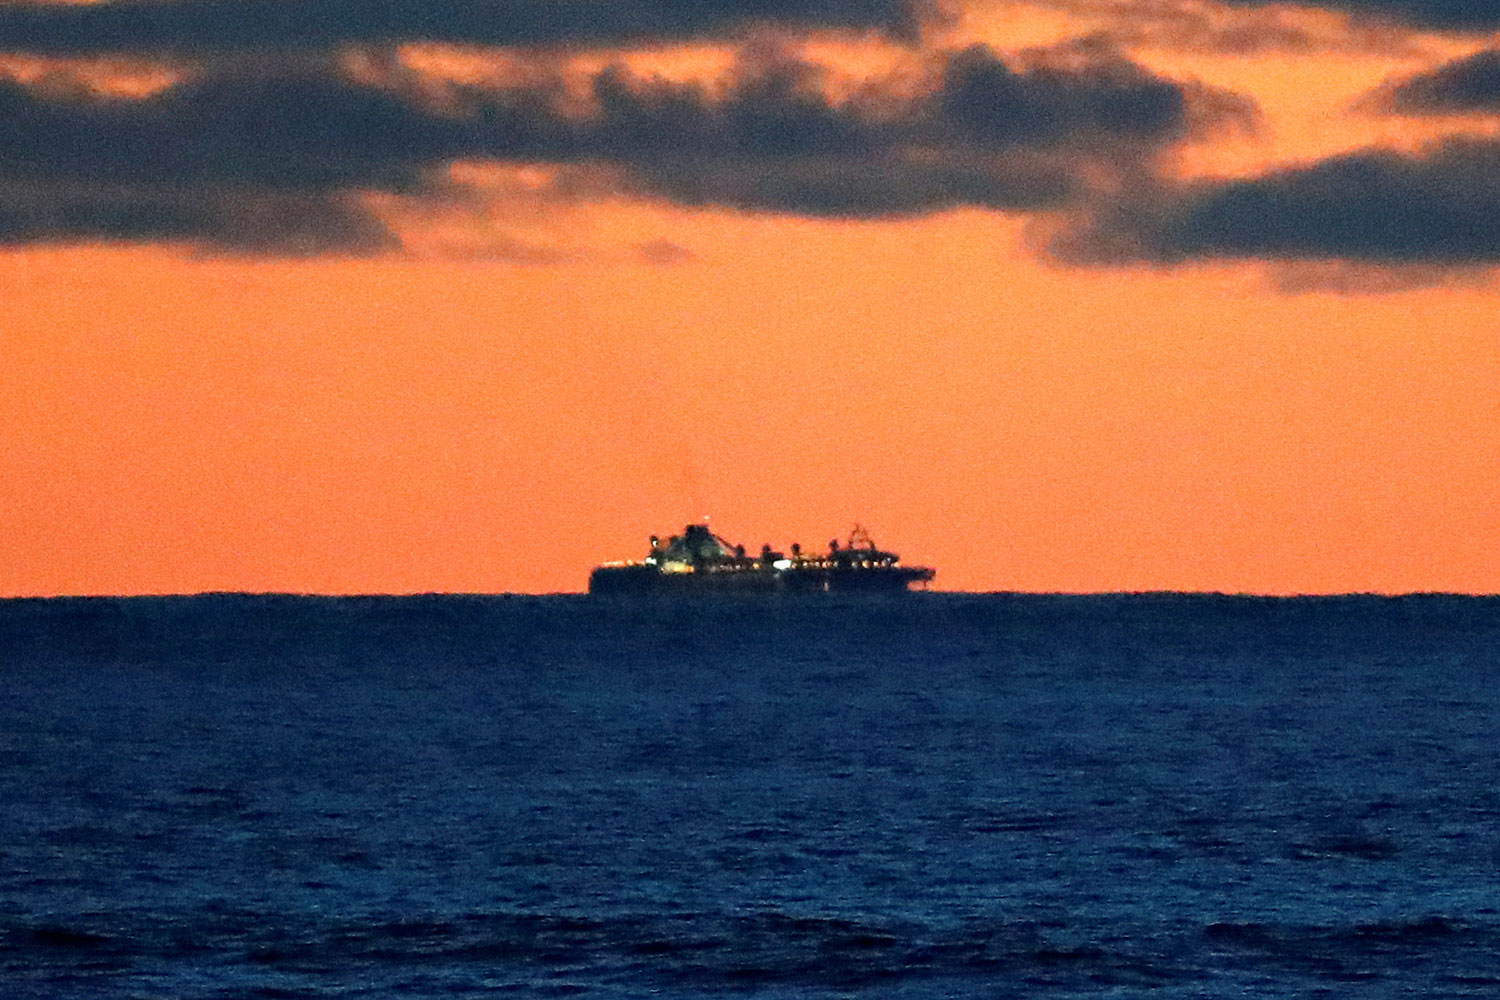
700, 561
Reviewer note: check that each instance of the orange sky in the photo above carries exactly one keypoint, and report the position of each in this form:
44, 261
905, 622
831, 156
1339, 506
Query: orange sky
178, 423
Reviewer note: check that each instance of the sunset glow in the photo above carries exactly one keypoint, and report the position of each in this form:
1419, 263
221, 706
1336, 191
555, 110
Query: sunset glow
1189, 313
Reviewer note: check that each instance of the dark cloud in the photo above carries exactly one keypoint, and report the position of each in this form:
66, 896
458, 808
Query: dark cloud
218, 155
201, 27
305, 132
1466, 86
1379, 207
256, 169
1452, 14
986, 135
996, 105
224, 220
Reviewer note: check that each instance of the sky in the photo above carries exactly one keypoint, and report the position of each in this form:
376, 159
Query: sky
394, 296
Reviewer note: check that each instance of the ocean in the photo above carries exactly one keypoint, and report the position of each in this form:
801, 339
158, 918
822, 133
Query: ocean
944, 795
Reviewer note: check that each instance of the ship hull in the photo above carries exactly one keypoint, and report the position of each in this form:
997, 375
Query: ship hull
650, 580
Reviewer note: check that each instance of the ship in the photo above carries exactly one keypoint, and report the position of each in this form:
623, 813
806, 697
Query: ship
699, 561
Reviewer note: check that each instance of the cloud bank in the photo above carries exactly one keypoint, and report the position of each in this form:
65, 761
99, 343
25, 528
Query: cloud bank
1466, 86
1379, 207
196, 28
220, 158
272, 144
1396, 218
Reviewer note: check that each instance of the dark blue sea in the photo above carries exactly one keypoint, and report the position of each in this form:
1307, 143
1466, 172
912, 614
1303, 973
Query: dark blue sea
940, 796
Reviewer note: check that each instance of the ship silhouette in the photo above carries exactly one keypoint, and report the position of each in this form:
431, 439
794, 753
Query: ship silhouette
699, 561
